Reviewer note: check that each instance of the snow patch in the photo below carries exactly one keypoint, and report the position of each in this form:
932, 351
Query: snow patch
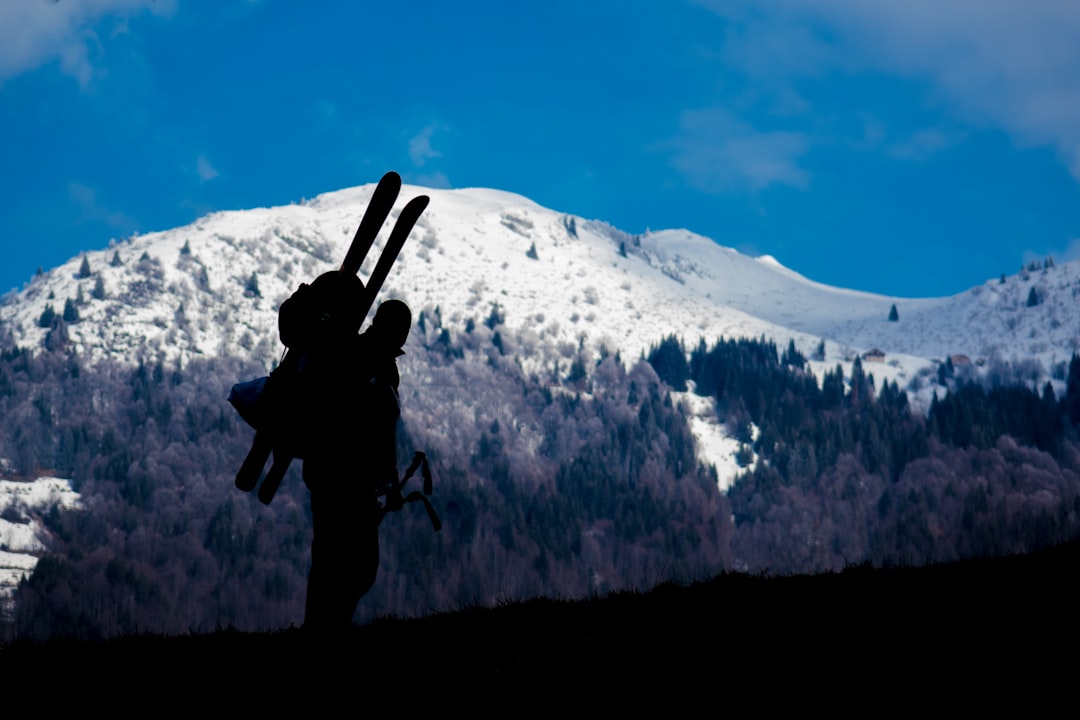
22, 536
714, 445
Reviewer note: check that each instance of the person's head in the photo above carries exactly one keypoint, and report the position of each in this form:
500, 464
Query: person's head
392, 323
338, 295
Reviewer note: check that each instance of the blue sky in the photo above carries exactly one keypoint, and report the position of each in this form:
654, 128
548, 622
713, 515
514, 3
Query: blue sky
912, 148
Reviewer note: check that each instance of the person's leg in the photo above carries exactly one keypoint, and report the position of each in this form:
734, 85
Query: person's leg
344, 547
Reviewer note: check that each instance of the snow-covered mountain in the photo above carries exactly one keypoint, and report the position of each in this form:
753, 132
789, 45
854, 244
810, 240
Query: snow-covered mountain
560, 282
516, 290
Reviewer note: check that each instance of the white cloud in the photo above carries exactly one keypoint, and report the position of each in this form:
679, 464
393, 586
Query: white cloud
205, 169
1006, 63
420, 150
36, 32
718, 153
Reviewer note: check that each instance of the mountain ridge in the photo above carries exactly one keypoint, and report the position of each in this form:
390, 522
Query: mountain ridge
560, 282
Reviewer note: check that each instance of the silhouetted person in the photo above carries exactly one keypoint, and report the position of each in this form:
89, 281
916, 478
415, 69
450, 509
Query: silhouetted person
350, 387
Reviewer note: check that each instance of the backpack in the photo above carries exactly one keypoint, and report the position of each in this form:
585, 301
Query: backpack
316, 312
311, 321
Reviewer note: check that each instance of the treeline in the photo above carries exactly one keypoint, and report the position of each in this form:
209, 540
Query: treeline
545, 485
847, 474
559, 481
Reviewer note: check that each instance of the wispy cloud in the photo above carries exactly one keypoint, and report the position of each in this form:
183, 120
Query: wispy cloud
431, 180
205, 169
718, 153
420, 149
36, 32
85, 198
1008, 64
923, 144
1070, 253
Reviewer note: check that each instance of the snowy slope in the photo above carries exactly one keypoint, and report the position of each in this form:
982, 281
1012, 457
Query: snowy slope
560, 282
468, 253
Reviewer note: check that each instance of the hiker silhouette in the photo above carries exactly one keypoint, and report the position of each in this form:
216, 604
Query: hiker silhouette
348, 433
332, 402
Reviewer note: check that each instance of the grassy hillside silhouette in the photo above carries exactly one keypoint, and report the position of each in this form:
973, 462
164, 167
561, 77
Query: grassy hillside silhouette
969, 631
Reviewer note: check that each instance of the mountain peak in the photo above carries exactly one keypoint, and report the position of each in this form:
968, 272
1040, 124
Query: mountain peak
561, 282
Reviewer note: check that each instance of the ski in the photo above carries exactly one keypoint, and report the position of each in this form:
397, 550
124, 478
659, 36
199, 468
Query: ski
273, 478
378, 209
251, 469
376, 213
404, 225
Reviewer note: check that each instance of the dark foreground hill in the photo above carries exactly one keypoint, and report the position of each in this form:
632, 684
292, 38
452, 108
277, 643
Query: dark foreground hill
956, 635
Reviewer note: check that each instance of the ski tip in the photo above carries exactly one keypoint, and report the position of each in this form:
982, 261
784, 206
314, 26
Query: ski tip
391, 177
418, 203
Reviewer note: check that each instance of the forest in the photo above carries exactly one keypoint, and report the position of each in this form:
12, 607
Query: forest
565, 483
851, 475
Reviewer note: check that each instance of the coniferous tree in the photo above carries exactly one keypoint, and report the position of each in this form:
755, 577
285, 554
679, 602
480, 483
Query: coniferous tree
251, 287
578, 371
946, 371
84, 269
71, 312
116, 261
893, 314
98, 293
47, 316
1033, 298
669, 361
862, 387
832, 387
1072, 390
202, 279
495, 318
57, 337
792, 356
